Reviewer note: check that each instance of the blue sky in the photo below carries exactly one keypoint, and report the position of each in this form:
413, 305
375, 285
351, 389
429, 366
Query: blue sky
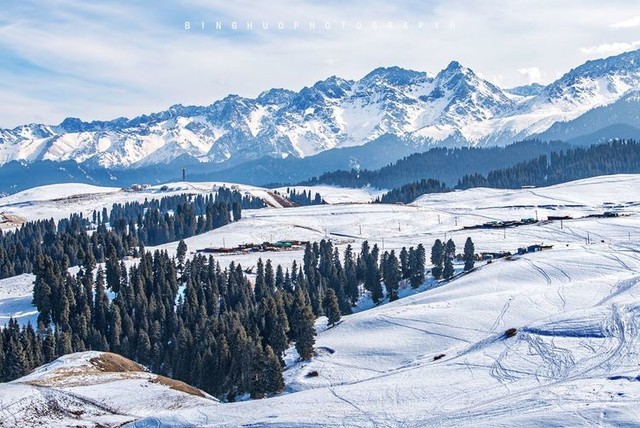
101, 60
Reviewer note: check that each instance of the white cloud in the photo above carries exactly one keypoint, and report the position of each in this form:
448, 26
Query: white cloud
99, 61
533, 74
610, 48
628, 23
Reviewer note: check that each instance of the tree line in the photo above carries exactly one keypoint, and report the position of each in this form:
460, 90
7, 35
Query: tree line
304, 198
196, 321
615, 157
441, 164
123, 229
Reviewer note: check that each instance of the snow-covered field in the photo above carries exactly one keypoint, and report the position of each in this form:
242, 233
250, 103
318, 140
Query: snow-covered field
83, 389
61, 200
16, 294
575, 357
573, 362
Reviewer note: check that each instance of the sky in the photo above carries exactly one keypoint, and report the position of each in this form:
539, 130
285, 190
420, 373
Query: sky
108, 59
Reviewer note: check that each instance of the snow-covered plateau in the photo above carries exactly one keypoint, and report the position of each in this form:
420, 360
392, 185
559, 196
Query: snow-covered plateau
439, 356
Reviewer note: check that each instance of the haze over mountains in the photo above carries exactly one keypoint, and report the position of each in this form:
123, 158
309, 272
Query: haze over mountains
454, 107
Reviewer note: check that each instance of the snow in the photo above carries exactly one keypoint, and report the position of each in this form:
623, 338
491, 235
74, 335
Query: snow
74, 391
338, 195
572, 362
59, 201
55, 191
16, 295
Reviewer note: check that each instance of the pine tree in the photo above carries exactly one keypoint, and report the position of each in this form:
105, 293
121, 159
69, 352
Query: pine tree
404, 263
449, 254
332, 307
437, 259
392, 275
181, 253
101, 304
260, 287
274, 380
351, 276
258, 366
15, 361
303, 325
418, 266
372, 282
113, 271
469, 255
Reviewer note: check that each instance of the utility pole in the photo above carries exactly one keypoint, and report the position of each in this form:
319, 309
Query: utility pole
438, 218
561, 224
360, 230
398, 225
456, 220
536, 215
504, 233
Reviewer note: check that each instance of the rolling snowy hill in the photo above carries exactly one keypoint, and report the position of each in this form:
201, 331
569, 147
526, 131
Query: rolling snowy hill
439, 356
454, 107
92, 389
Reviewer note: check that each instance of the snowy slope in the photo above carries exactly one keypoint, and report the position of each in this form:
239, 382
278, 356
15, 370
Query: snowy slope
338, 195
61, 200
573, 362
454, 107
92, 389
16, 295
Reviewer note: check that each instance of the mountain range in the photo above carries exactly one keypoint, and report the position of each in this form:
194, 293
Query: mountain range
415, 110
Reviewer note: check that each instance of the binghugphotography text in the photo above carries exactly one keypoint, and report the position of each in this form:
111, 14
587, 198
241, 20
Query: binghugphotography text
313, 25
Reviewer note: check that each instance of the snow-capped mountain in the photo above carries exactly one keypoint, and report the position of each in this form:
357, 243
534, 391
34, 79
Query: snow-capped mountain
453, 107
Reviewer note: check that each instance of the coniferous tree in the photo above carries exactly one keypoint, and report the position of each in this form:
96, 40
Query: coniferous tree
181, 253
331, 307
449, 254
437, 259
418, 261
303, 325
404, 263
274, 381
351, 276
15, 360
392, 274
258, 372
469, 254
260, 287
113, 271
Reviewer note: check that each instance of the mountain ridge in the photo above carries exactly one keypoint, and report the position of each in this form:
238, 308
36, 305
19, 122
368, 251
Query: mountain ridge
455, 107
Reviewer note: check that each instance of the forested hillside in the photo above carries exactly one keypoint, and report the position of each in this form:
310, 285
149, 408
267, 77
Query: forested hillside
616, 157
445, 165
